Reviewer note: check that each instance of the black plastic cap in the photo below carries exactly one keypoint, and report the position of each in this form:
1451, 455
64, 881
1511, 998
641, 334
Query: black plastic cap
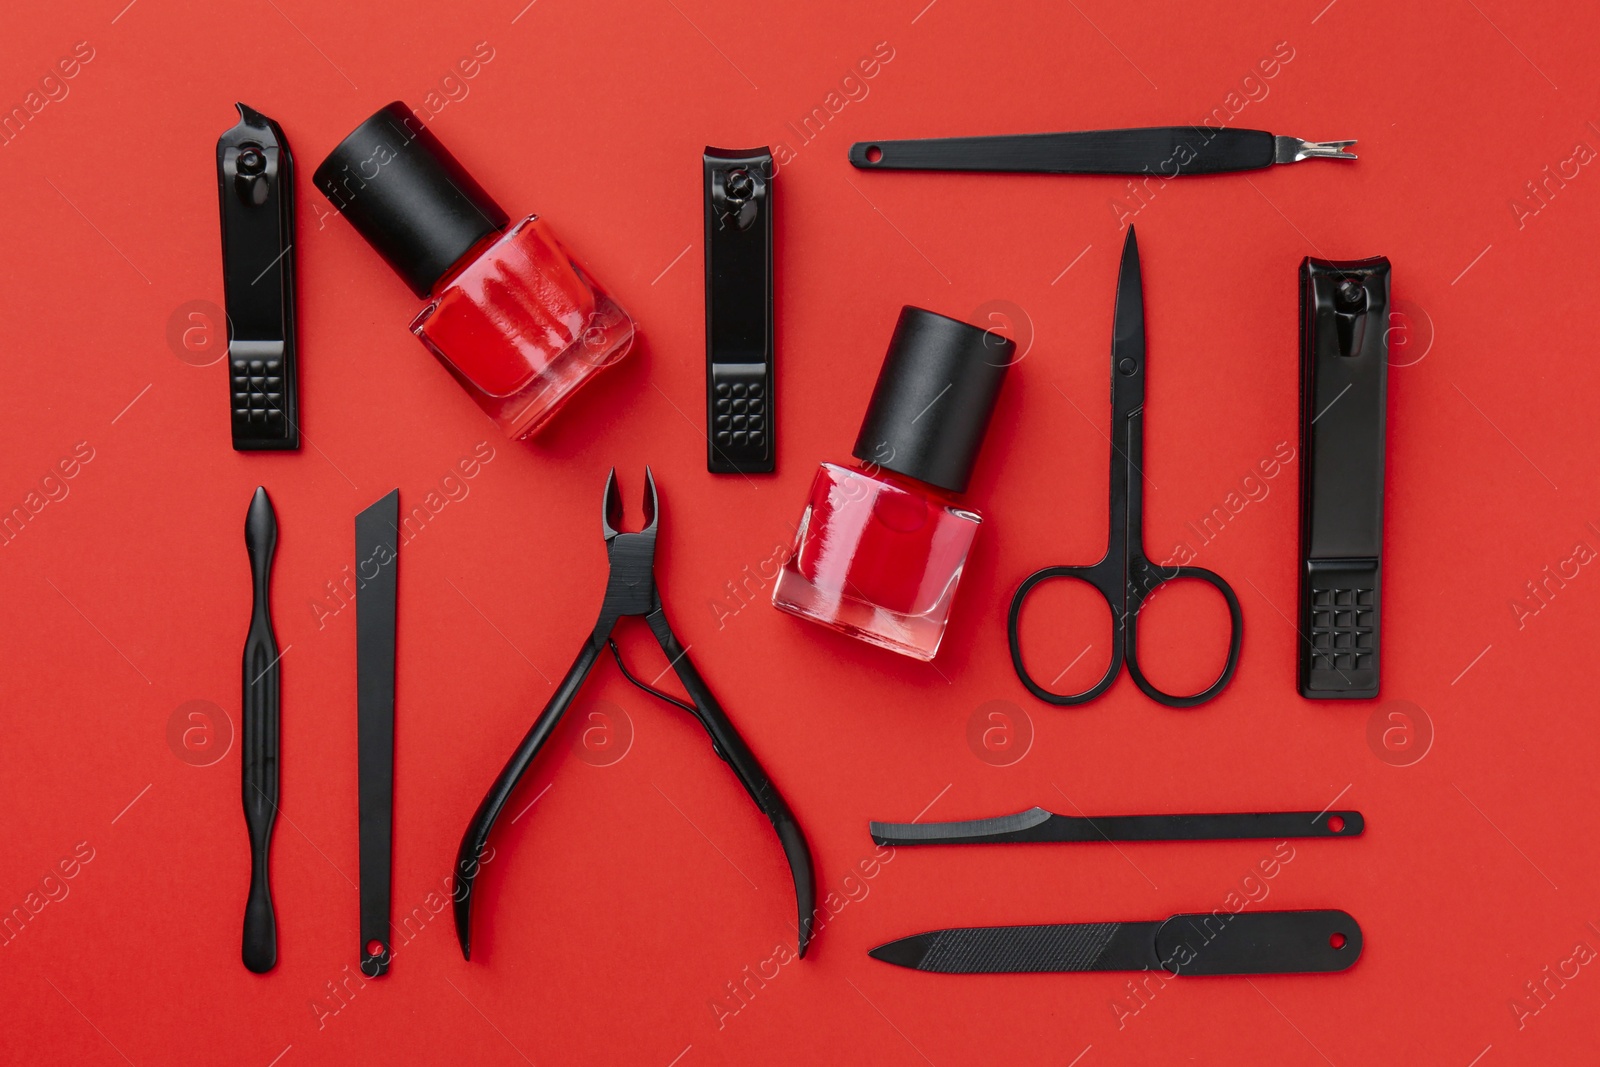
408, 196
935, 394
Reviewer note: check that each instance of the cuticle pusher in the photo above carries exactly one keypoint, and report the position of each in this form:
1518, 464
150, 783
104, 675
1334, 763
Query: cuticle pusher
259, 736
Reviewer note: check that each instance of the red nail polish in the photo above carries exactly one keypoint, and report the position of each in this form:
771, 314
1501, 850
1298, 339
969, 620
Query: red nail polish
510, 314
881, 546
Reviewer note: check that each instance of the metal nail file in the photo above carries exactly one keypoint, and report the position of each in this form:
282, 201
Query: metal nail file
741, 408
377, 566
255, 190
1344, 363
258, 746
1039, 825
1206, 943
1159, 151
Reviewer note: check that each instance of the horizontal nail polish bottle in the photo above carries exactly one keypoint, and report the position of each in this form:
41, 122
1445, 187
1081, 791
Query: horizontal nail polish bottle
881, 544
510, 314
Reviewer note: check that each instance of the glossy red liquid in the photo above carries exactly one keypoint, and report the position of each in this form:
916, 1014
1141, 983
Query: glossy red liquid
522, 328
878, 557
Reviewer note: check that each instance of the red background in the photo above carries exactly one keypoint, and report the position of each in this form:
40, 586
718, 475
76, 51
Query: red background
617, 910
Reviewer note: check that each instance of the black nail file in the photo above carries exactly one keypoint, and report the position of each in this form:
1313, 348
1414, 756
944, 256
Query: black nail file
1344, 363
741, 429
255, 190
377, 564
258, 746
1206, 943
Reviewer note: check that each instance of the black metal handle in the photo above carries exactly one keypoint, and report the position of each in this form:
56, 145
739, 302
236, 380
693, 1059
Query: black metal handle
1105, 578
1235, 637
727, 743
259, 737
1261, 942
476, 839
1159, 151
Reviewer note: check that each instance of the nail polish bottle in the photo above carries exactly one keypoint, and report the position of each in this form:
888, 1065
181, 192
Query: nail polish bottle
881, 545
510, 314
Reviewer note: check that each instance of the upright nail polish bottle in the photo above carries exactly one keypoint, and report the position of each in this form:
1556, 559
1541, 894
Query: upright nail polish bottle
510, 314
882, 544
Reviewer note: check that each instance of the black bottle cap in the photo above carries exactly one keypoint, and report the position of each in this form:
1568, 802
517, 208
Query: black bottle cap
408, 196
934, 397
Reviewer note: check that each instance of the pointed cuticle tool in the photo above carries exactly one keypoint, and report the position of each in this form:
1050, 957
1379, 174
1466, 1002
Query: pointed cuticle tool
1039, 825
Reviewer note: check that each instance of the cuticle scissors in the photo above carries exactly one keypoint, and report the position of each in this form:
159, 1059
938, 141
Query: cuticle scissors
1125, 576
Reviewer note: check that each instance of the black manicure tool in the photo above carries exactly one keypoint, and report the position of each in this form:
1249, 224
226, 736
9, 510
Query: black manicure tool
1159, 151
377, 566
741, 409
1192, 945
1344, 365
1126, 576
1039, 825
631, 590
255, 188
258, 744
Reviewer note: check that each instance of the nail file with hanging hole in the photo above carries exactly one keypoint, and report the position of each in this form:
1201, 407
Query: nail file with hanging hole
377, 561
1039, 825
1206, 943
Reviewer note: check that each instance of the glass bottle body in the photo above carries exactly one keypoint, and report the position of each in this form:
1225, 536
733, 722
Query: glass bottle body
878, 557
521, 327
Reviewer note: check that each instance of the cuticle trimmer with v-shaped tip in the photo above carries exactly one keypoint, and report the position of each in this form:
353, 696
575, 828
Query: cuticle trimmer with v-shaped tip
1039, 825
1160, 151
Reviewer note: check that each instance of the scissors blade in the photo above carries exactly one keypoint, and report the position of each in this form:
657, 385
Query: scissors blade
1127, 331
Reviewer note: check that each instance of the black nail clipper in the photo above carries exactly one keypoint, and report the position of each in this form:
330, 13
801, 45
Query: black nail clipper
255, 189
1344, 363
741, 432
631, 590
